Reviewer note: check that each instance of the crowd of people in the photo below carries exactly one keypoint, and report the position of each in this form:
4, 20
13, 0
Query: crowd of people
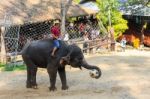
79, 29
85, 30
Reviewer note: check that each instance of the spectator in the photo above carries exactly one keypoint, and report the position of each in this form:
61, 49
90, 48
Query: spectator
81, 29
70, 30
85, 44
93, 34
66, 37
123, 44
89, 30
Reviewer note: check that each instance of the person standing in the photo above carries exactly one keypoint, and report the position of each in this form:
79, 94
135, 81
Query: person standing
81, 29
85, 44
123, 44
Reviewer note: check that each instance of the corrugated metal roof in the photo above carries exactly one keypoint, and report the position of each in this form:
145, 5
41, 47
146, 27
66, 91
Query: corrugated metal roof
138, 10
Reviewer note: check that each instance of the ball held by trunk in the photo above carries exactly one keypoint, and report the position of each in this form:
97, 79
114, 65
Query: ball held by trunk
93, 73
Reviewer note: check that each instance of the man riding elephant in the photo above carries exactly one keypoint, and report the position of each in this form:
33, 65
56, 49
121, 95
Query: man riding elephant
38, 54
55, 30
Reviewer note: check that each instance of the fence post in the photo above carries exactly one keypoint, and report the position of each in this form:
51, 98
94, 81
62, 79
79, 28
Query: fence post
64, 9
112, 46
3, 50
16, 46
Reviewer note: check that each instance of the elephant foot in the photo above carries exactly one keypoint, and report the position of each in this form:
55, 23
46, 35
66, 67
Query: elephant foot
52, 88
28, 86
53, 56
64, 87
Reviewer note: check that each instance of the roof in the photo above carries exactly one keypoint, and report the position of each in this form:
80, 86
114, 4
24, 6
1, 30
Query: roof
85, 1
91, 5
137, 10
24, 11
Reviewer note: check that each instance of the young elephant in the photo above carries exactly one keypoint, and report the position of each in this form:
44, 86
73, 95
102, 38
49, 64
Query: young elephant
38, 54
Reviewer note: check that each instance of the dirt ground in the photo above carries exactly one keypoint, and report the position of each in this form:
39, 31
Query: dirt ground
125, 75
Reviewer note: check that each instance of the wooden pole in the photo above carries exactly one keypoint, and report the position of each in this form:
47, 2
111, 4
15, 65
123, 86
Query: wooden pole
3, 50
112, 46
62, 18
64, 10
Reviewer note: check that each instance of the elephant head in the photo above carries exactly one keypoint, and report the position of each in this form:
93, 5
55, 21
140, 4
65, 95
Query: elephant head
76, 59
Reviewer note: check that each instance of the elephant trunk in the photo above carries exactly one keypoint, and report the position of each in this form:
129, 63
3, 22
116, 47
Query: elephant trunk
91, 67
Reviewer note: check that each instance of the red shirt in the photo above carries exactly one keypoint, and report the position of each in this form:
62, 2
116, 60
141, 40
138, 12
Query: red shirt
81, 27
55, 31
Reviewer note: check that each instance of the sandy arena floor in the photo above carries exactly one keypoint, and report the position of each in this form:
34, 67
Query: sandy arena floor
125, 75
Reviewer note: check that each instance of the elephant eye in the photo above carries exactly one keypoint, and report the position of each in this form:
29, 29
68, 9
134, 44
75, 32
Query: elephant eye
80, 58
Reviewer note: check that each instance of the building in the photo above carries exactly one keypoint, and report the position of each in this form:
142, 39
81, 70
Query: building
138, 17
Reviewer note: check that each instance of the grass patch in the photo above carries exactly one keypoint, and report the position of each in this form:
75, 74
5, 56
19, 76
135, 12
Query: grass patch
5, 67
1, 66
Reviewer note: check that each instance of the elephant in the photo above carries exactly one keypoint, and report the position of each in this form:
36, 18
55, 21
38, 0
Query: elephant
37, 54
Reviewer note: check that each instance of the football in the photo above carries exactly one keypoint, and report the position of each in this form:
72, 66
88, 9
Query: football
93, 73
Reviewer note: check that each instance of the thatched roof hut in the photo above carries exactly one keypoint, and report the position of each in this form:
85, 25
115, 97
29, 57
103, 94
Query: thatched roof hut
24, 11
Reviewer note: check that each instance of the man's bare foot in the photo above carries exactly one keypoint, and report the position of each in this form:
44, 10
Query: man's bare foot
52, 55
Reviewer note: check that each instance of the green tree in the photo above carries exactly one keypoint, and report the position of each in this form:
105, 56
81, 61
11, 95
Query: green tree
110, 15
77, 1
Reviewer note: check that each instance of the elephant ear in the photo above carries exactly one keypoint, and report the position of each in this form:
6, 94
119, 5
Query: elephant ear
65, 60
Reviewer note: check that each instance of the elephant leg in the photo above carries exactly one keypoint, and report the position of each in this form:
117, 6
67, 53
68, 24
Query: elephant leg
62, 74
28, 82
52, 75
31, 73
33, 77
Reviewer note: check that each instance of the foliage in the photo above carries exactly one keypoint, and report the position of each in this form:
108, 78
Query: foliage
1, 65
77, 1
119, 24
105, 6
